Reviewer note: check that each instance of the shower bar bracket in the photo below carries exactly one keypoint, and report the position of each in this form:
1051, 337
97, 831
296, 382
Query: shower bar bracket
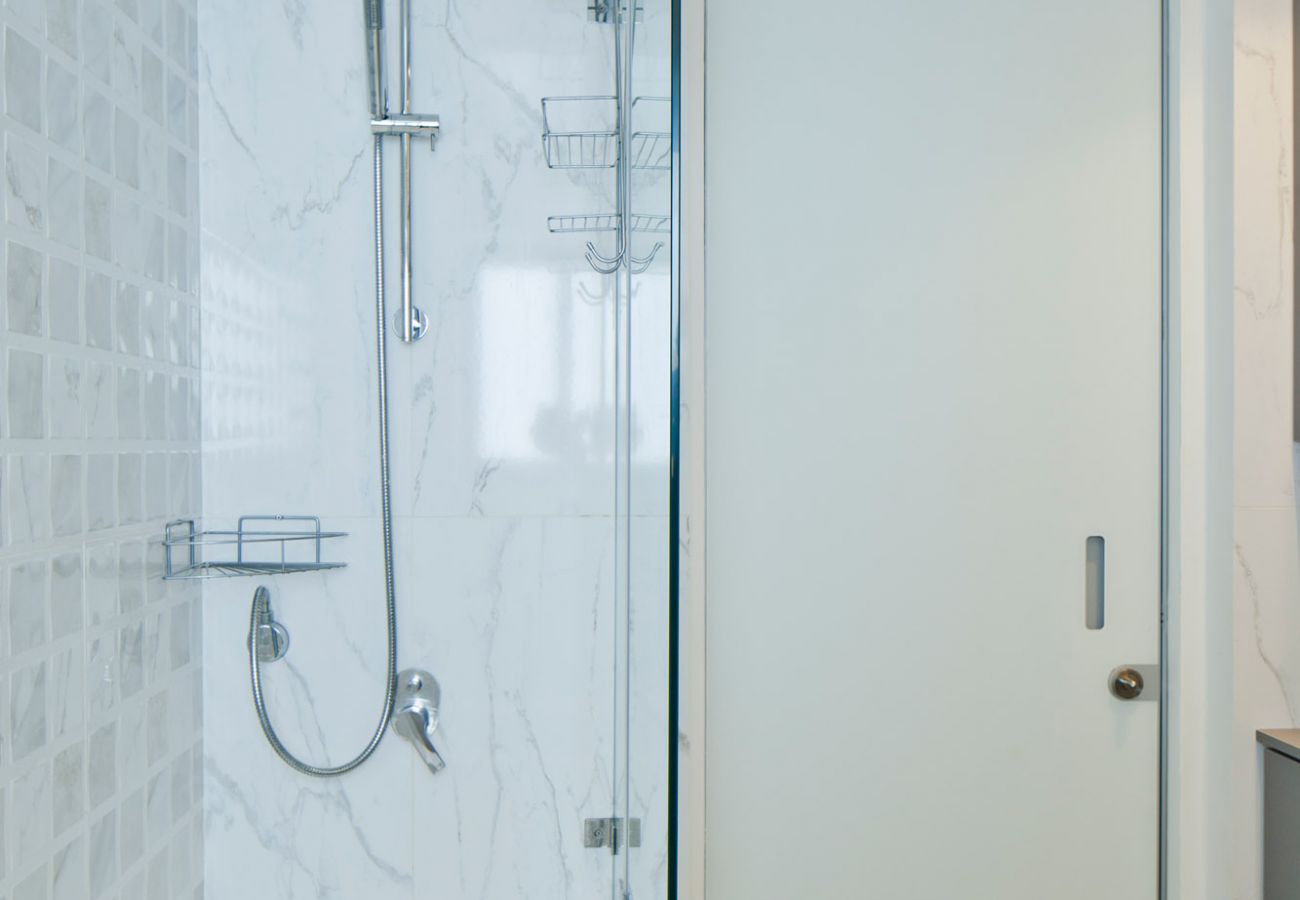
401, 124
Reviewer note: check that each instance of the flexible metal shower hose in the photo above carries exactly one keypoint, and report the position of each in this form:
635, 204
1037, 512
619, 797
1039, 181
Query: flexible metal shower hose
390, 692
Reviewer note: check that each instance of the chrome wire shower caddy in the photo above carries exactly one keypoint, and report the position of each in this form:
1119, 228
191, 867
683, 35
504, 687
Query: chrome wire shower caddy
253, 548
601, 132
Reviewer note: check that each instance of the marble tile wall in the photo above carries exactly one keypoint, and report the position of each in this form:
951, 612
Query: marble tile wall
1267, 593
502, 428
100, 665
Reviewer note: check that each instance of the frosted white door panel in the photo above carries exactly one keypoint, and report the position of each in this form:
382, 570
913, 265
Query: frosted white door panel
933, 372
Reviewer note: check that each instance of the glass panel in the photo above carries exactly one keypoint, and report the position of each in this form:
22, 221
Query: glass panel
644, 869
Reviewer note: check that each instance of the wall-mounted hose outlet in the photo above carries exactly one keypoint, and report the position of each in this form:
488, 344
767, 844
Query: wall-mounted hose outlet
268, 637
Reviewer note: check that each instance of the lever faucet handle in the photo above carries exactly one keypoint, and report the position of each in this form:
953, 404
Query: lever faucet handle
415, 715
415, 724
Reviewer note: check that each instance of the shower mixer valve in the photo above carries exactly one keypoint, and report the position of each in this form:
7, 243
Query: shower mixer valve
415, 716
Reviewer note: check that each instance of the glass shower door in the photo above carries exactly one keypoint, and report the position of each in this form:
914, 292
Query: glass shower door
642, 785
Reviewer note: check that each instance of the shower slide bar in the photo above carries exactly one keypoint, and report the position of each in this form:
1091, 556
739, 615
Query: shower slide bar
406, 125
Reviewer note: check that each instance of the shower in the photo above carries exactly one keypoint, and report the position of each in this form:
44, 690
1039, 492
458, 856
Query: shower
417, 718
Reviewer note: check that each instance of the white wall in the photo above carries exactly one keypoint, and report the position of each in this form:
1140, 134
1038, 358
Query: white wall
100, 680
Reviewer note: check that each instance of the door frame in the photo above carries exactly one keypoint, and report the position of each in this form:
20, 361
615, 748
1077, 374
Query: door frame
1196, 449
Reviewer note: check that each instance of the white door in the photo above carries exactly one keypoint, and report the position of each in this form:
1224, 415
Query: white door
933, 373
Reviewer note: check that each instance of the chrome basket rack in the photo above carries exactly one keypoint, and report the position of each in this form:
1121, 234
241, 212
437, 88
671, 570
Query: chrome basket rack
260, 550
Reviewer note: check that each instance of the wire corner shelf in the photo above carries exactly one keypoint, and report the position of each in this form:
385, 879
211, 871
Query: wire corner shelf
273, 545
580, 132
588, 222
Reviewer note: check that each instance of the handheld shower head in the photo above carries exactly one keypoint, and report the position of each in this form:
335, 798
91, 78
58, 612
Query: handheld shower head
374, 10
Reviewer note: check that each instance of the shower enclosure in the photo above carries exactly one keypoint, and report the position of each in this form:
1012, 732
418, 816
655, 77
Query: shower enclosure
529, 429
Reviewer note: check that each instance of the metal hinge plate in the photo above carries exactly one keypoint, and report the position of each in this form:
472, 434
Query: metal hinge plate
612, 833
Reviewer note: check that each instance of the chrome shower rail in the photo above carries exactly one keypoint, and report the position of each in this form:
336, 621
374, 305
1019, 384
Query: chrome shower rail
245, 551
411, 320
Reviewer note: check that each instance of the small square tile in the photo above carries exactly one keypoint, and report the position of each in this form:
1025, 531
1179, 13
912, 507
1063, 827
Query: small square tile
25, 193
26, 393
62, 26
64, 392
99, 311
28, 594
22, 80
27, 710
64, 300
63, 106
66, 195
69, 787
67, 485
24, 294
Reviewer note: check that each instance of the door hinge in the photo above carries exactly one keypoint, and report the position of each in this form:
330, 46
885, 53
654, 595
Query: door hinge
612, 833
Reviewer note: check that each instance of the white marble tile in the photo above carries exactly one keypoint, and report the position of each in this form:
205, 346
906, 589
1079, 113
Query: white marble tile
97, 212
62, 21
1267, 668
131, 575
27, 709
126, 148
33, 887
64, 386
63, 105
27, 494
525, 659
101, 491
99, 310
101, 764
24, 298
30, 792
25, 187
97, 40
97, 124
68, 872
64, 299
130, 488
130, 823
126, 62
28, 600
101, 583
69, 787
66, 594
131, 662
67, 492
101, 674
101, 854
67, 692
22, 68
26, 394
66, 195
